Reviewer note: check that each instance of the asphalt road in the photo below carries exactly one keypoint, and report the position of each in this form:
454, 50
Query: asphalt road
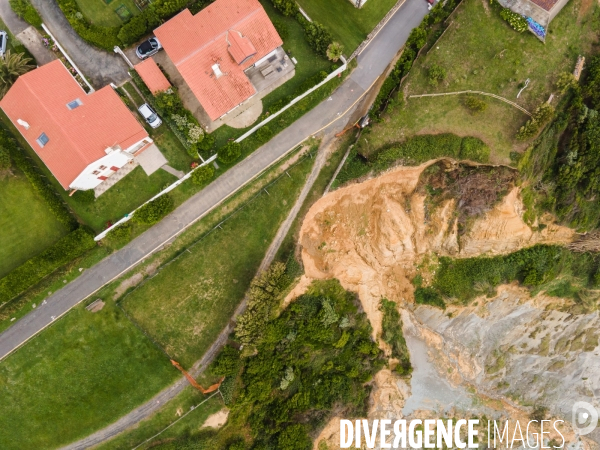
100, 67
371, 64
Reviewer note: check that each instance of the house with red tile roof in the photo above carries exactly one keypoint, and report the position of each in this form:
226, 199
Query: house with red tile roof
83, 139
226, 54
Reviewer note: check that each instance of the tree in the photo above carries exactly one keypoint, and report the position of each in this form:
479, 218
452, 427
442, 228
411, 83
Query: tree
11, 67
230, 152
565, 82
334, 51
202, 174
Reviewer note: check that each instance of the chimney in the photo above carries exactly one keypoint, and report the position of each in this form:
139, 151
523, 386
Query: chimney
217, 70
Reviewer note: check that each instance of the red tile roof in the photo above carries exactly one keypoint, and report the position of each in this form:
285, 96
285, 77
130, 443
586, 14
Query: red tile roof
196, 43
545, 4
152, 76
240, 46
77, 137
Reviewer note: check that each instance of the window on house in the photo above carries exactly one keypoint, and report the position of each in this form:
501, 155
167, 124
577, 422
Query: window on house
95, 172
74, 104
42, 140
102, 167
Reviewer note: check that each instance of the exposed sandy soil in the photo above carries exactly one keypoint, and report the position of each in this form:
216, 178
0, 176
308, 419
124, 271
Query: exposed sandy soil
216, 420
372, 236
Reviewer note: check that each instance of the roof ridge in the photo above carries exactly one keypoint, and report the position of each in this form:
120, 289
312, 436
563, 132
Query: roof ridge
219, 36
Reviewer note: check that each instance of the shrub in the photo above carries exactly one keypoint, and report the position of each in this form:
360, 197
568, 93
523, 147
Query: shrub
334, 51
155, 210
515, 20
282, 29
317, 36
286, 7
132, 30
203, 174
264, 134
207, 144
436, 74
419, 149
566, 81
429, 296
85, 197
121, 232
5, 162
528, 130
474, 149
475, 104
544, 113
230, 152
34, 270
25, 10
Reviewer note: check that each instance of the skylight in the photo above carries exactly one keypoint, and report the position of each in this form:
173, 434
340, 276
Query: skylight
74, 104
42, 140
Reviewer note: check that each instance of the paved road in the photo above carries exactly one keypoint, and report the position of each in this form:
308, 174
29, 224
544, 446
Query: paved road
371, 64
99, 66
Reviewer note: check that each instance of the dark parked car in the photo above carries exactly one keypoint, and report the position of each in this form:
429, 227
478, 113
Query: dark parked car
148, 48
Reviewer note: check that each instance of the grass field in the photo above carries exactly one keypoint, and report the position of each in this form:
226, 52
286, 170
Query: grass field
103, 14
27, 226
190, 300
79, 375
491, 58
348, 25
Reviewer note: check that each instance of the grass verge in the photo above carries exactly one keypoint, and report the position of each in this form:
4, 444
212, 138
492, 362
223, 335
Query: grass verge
191, 299
79, 375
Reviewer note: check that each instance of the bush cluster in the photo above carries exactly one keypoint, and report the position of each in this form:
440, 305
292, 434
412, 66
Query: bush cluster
436, 74
41, 186
25, 10
35, 269
153, 211
515, 20
542, 115
391, 333
313, 356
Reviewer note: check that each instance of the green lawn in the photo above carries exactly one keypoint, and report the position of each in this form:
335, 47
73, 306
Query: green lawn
190, 300
27, 225
348, 25
100, 13
78, 376
491, 58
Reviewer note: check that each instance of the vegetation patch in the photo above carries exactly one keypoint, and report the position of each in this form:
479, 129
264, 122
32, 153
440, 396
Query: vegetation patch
474, 189
314, 357
391, 327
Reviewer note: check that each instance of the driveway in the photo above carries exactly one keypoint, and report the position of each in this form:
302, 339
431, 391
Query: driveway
371, 64
99, 66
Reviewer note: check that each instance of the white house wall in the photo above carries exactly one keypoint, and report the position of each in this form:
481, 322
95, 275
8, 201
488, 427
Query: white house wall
89, 180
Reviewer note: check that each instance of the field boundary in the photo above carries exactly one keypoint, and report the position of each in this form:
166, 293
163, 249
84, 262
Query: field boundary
505, 100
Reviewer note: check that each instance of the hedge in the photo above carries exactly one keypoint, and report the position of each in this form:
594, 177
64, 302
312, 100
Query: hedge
41, 186
25, 10
34, 270
155, 210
